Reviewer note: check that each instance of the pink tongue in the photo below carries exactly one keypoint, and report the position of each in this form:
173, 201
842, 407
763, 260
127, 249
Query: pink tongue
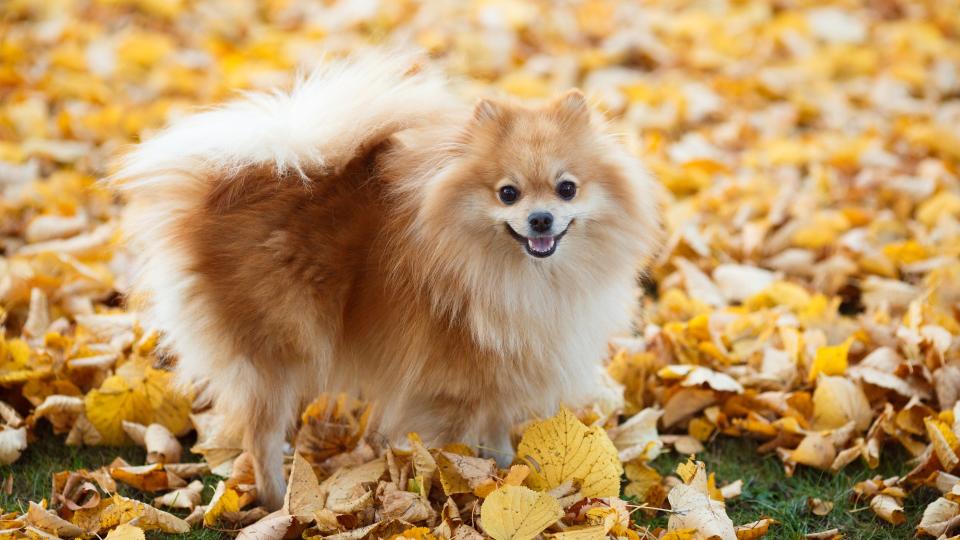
541, 244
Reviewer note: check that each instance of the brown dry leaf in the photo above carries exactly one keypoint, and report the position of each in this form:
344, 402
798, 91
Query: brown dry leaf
755, 529
185, 498
51, 523
732, 490
940, 516
888, 508
136, 432
60, 411
562, 448
837, 401
694, 508
685, 403
304, 497
424, 464
637, 438
146, 477
829, 534
272, 527
161, 445
83, 433
331, 426
464, 474
119, 510
944, 441
187, 470
816, 451
518, 513
642, 478
404, 505
819, 507
349, 489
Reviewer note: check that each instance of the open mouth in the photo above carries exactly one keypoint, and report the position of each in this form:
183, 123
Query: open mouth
540, 246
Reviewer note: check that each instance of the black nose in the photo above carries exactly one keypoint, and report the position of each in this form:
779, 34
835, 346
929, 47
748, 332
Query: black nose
540, 221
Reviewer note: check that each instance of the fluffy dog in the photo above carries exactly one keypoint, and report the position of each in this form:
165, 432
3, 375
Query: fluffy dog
366, 233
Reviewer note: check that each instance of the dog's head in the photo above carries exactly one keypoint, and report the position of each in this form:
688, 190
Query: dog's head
542, 186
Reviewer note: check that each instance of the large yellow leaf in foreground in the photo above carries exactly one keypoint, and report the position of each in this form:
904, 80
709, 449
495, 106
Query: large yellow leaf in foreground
562, 448
137, 393
518, 513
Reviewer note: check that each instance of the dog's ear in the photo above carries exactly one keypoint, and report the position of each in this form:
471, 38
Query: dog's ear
488, 111
572, 107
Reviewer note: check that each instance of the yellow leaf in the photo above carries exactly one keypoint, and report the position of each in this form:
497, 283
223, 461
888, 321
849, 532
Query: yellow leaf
518, 513
838, 400
687, 470
111, 404
121, 510
945, 442
463, 474
224, 500
137, 393
562, 448
516, 475
126, 532
46, 521
830, 360
680, 534
816, 451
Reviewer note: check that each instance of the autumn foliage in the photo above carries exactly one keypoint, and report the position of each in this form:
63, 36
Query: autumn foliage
807, 296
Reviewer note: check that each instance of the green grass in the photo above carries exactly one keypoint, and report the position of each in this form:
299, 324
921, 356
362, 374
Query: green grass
48, 454
766, 491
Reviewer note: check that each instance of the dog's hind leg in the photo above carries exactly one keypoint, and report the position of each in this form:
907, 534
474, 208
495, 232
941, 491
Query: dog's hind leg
262, 405
264, 438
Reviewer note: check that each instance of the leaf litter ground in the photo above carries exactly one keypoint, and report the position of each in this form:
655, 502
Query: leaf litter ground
806, 300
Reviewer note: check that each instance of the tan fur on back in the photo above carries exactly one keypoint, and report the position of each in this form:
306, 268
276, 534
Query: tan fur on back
379, 262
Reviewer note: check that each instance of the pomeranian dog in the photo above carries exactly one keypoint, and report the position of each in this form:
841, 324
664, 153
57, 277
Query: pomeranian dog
368, 233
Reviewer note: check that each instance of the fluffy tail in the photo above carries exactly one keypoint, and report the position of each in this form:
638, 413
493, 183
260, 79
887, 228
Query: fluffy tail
327, 119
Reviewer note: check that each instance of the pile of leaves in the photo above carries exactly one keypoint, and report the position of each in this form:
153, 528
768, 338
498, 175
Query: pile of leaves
808, 295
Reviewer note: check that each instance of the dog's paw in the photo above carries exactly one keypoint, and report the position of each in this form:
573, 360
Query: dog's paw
271, 490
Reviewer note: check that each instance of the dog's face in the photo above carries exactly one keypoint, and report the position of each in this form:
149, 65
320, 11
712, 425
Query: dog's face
538, 186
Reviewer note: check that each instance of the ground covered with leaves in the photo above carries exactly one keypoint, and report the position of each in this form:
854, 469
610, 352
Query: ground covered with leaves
801, 325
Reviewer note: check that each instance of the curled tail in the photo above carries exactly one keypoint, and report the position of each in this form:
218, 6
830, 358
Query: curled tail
328, 118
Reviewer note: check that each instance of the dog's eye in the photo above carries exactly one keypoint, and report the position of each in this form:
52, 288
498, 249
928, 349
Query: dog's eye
509, 194
566, 190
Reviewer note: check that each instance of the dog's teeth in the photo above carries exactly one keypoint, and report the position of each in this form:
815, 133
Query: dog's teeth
541, 244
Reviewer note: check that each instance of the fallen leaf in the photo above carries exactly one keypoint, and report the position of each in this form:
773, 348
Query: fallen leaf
518, 513
694, 509
562, 448
463, 474
819, 507
837, 401
51, 523
126, 531
888, 508
273, 527
637, 438
186, 498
